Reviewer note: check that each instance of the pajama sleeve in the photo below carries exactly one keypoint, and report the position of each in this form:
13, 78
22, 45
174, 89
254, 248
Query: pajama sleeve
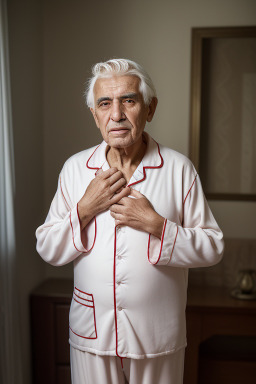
60, 239
197, 241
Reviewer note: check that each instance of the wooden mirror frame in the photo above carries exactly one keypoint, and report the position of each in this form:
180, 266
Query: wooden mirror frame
198, 37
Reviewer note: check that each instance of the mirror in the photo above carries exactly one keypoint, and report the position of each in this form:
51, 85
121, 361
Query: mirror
223, 111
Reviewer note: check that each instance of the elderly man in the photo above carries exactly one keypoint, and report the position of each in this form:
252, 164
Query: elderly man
132, 216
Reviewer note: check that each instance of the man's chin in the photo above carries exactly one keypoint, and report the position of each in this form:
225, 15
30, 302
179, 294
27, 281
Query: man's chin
120, 142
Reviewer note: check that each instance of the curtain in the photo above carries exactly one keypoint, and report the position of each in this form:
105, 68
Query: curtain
10, 348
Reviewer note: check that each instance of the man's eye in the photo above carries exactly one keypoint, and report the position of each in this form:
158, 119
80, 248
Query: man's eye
129, 101
105, 104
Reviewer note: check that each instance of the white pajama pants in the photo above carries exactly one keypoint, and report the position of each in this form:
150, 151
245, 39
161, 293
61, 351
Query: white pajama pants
88, 368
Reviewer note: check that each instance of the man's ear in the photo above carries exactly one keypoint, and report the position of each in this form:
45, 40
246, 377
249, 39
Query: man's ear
95, 117
152, 108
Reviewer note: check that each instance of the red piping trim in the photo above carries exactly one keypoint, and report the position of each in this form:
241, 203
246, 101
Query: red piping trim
94, 316
64, 196
88, 294
81, 298
84, 337
73, 237
190, 189
144, 167
85, 305
161, 245
95, 321
114, 284
122, 365
174, 242
95, 229
149, 167
186, 198
87, 163
78, 215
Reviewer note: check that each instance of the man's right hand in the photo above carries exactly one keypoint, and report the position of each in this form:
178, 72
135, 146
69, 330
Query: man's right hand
105, 190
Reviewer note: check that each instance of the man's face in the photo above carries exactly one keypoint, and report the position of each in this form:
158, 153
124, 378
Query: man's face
120, 112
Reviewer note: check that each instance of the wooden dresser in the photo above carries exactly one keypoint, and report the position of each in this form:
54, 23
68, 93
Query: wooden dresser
49, 305
210, 311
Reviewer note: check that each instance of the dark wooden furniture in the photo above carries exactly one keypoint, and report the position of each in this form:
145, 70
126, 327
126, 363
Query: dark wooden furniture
210, 311
49, 324
227, 359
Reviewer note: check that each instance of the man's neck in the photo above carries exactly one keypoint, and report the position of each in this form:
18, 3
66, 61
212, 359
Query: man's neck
127, 159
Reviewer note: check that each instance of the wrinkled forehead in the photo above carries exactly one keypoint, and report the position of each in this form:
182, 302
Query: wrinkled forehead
115, 86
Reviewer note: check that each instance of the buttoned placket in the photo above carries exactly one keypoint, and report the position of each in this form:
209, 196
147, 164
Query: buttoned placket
119, 254
118, 285
120, 240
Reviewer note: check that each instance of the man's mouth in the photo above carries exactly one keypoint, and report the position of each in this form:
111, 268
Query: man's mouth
119, 130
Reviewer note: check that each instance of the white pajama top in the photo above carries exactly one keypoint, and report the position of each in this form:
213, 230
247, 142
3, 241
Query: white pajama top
130, 288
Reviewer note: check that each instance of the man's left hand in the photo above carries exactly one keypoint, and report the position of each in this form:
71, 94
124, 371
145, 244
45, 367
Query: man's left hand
137, 212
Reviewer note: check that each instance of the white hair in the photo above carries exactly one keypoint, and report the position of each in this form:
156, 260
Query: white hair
120, 67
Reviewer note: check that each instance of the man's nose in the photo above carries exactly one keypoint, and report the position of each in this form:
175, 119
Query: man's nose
117, 112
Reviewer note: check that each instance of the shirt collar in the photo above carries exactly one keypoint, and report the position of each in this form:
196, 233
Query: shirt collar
152, 159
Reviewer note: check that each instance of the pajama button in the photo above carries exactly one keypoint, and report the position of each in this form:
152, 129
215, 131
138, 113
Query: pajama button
118, 282
119, 257
120, 229
120, 308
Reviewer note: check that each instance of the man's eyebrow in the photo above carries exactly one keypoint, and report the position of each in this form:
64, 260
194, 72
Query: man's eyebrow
130, 96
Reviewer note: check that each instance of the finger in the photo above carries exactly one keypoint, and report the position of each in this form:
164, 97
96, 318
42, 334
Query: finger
118, 186
115, 176
99, 171
124, 200
120, 189
117, 216
108, 173
136, 194
117, 182
116, 208
118, 196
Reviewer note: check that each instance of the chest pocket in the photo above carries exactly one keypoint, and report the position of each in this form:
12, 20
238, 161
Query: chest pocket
82, 320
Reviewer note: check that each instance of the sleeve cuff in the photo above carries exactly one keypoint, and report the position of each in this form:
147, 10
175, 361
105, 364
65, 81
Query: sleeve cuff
83, 240
160, 251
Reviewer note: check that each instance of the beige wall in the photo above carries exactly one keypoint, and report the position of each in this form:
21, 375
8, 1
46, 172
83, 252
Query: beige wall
53, 44
157, 35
